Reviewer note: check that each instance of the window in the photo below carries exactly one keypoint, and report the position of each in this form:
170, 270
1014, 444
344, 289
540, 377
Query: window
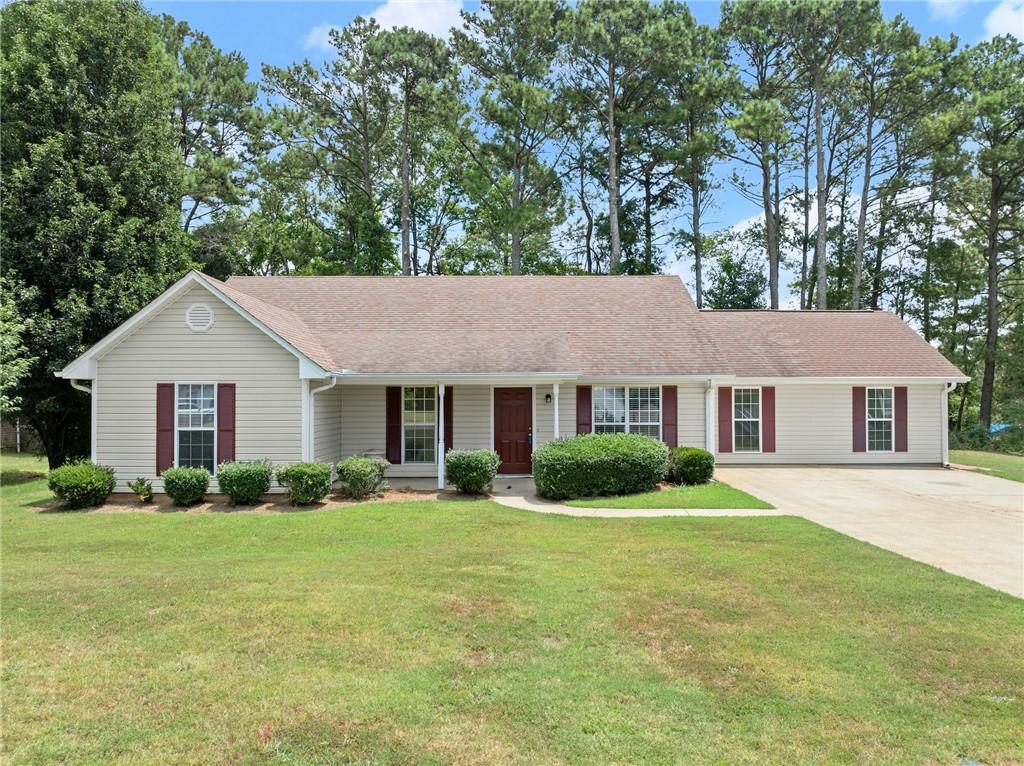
419, 424
880, 419
197, 426
746, 419
623, 409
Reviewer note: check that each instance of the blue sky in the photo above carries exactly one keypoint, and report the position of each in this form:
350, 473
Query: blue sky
281, 33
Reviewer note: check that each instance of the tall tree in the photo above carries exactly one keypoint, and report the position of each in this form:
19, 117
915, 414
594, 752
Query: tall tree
90, 226
14, 359
510, 48
618, 56
216, 119
414, 61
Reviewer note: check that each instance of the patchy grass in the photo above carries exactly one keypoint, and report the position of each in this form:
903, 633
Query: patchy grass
471, 633
996, 464
18, 468
714, 495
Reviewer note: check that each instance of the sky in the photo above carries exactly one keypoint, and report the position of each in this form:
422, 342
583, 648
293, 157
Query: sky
281, 33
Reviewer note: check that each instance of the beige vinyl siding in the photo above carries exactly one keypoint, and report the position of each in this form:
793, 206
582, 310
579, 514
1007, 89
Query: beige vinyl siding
327, 425
814, 424
471, 413
163, 350
566, 410
690, 414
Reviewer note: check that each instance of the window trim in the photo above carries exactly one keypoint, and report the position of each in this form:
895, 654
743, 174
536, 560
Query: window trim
759, 420
437, 404
891, 419
178, 383
627, 388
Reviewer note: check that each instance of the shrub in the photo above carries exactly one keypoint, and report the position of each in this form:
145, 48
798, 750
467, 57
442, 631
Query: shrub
82, 484
244, 481
306, 482
143, 488
690, 465
599, 464
186, 486
471, 471
363, 476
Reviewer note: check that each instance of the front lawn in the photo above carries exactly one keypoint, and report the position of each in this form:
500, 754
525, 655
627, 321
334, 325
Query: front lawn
467, 632
713, 495
997, 464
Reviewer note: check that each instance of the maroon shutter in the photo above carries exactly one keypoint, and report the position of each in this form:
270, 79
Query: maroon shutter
768, 418
449, 421
899, 396
225, 422
669, 431
725, 419
860, 426
393, 424
164, 427
584, 419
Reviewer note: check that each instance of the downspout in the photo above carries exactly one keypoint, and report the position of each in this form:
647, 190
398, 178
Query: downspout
709, 416
312, 417
944, 408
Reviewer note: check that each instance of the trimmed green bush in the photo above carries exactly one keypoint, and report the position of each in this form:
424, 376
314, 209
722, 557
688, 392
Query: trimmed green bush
690, 465
599, 464
186, 486
82, 484
306, 482
471, 471
143, 488
362, 476
244, 481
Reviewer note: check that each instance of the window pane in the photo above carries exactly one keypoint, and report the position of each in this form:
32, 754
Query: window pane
419, 412
747, 435
420, 405
195, 449
746, 403
609, 428
652, 430
879, 403
644, 405
879, 435
419, 444
609, 408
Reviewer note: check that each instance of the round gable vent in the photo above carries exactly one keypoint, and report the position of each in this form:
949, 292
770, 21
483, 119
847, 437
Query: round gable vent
199, 317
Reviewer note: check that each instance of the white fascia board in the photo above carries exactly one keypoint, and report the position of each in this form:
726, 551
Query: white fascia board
84, 367
866, 379
467, 378
653, 379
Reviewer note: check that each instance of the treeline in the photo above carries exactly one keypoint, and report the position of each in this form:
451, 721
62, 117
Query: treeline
538, 139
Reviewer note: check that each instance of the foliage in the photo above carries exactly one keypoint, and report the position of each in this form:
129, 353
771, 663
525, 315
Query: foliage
14, 359
735, 284
244, 481
306, 482
471, 471
82, 483
143, 488
186, 485
598, 464
92, 182
690, 465
362, 476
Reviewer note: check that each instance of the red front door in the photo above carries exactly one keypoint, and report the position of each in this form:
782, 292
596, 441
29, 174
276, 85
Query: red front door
513, 429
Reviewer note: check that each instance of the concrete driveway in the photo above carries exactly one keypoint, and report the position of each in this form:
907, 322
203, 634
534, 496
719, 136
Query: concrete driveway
967, 523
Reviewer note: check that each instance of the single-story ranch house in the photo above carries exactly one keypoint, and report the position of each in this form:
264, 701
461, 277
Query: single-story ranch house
320, 368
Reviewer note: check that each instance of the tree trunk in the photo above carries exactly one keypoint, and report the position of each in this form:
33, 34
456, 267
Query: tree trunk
698, 244
805, 244
588, 237
406, 258
517, 235
648, 224
992, 304
876, 278
862, 218
770, 233
613, 178
822, 197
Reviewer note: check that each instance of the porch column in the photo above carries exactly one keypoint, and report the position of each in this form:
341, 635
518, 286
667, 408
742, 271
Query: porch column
710, 403
554, 396
440, 435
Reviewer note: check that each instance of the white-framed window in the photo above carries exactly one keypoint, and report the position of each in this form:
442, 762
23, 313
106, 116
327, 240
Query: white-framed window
196, 421
419, 424
746, 419
627, 409
879, 419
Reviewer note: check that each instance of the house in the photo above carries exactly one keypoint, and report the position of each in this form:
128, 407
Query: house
320, 368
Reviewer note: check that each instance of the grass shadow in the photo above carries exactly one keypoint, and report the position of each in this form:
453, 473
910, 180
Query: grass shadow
13, 476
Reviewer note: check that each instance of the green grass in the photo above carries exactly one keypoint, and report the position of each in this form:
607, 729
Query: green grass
467, 632
714, 495
1005, 466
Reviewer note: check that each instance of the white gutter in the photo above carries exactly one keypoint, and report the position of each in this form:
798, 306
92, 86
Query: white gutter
944, 409
709, 416
310, 414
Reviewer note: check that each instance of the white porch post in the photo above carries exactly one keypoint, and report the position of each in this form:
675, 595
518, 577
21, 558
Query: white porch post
554, 396
440, 435
709, 417
944, 414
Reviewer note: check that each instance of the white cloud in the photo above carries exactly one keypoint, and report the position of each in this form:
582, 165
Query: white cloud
1007, 18
434, 16
947, 9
